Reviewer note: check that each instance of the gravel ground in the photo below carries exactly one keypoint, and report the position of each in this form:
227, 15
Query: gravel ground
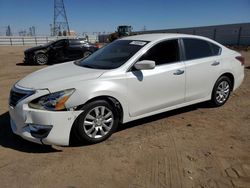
196, 146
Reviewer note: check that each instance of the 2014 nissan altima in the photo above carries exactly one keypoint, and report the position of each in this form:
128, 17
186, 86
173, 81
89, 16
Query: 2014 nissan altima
128, 79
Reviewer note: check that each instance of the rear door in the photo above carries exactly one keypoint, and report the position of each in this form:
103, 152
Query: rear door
74, 49
203, 65
161, 87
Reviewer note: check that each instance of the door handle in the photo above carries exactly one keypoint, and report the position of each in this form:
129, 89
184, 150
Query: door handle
178, 72
215, 63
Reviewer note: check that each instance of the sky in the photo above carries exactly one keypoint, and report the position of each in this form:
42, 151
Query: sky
106, 15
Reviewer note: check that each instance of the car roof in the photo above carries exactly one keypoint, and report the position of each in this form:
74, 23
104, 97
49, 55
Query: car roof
160, 36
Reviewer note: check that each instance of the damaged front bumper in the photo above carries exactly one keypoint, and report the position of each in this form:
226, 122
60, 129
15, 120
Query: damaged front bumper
41, 126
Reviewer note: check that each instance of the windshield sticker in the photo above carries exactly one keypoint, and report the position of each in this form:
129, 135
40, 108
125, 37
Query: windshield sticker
139, 43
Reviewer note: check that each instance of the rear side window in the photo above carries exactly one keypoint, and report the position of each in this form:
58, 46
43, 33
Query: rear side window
163, 53
196, 48
74, 42
215, 49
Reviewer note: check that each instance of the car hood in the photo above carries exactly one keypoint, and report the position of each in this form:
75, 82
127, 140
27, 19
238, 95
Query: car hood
56, 75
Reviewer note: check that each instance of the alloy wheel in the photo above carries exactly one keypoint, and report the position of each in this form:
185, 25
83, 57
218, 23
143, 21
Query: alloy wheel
98, 122
222, 92
41, 59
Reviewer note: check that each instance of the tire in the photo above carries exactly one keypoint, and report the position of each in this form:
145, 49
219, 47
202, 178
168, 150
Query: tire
221, 91
87, 53
98, 122
41, 59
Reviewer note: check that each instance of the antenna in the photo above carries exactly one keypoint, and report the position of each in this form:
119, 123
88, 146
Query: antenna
60, 19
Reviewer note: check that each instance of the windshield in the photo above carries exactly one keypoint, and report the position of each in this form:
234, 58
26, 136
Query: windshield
113, 55
48, 43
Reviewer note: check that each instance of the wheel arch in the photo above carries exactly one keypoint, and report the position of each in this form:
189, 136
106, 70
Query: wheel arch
230, 76
74, 136
111, 100
41, 52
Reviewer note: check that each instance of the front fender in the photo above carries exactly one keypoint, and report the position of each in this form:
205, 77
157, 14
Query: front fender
92, 89
44, 51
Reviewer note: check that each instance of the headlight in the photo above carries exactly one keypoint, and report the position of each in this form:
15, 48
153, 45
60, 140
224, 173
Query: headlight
53, 101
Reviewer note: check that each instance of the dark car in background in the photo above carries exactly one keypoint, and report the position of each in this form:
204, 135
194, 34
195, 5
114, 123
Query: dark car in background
59, 51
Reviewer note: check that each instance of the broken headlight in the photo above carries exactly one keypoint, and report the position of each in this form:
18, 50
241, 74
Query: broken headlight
54, 101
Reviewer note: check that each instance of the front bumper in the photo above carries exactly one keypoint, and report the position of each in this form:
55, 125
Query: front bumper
58, 124
28, 58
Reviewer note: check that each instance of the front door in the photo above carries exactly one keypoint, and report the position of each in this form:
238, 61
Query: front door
58, 50
161, 87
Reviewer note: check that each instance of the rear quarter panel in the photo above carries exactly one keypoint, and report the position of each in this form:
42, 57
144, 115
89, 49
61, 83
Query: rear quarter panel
233, 66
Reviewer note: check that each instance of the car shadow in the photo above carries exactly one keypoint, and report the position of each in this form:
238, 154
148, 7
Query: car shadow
164, 115
25, 64
9, 140
31, 64
75, 143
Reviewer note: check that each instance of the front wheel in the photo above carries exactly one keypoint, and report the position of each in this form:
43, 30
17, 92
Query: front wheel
221, 91
41, 59
98, 121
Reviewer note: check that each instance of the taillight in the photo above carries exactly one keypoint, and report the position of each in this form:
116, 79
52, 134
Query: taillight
241, 59
97, 45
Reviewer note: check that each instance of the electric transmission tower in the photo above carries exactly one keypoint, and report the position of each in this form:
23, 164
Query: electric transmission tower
8, 31
61, 24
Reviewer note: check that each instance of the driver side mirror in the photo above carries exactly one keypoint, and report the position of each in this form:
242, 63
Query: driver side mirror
145, 65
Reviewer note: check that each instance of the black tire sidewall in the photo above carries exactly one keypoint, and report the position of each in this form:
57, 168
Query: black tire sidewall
221, 79
78, 125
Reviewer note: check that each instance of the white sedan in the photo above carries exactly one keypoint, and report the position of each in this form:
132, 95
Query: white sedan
131, 78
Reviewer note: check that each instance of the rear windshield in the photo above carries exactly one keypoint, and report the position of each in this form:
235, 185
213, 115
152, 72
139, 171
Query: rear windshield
113, 55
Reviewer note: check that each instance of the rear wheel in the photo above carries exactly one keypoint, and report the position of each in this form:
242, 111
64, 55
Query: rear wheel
98, 121
41, 59
221, 91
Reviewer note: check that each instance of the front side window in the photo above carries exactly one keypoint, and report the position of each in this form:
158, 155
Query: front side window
163, 53
60, 43
197, 48
113, 55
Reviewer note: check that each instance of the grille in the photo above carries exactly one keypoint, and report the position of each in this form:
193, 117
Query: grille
17, 95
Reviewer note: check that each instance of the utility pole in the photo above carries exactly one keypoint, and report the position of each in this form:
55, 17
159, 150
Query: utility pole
60, 18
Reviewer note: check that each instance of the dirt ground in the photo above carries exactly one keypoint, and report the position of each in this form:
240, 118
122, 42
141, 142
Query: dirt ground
196, 146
